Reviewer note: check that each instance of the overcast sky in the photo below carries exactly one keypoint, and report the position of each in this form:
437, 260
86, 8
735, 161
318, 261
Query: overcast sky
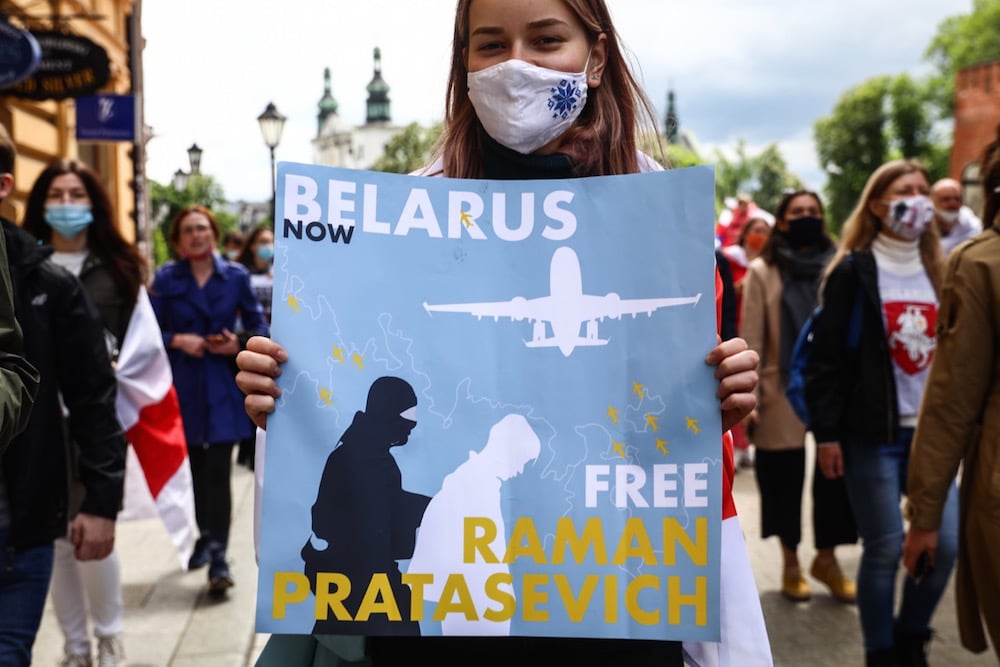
760, 70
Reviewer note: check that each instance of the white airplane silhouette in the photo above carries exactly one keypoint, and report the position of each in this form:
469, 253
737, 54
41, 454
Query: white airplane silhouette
565, 309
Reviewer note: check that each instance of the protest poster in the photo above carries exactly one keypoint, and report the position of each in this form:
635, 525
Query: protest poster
496, 417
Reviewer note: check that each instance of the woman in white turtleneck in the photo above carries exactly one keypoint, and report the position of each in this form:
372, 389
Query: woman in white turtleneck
863, 400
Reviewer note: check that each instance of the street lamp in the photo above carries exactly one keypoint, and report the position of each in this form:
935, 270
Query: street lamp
180, 180
194, 157
181, 177
271, 124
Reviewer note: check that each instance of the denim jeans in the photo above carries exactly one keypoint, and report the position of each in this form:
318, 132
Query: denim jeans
24, 583
875, 476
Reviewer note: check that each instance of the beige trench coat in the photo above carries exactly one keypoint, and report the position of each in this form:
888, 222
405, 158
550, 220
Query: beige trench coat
960, 422
760, 325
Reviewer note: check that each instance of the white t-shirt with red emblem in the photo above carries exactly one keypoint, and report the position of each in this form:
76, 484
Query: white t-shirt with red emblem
909, 312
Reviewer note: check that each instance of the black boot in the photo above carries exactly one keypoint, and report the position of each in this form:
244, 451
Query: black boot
245, 452
220, 579
200, 556
885, 657
911, 648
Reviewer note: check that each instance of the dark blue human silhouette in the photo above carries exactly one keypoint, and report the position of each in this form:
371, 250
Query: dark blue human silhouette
363, 520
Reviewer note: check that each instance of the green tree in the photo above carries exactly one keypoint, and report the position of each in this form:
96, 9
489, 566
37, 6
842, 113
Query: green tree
890, 117
851, 143
914, 117
881, 119
670, 155
911, 116
167, 202
962, 41
409, 149
732, 177
764, 176
679, 156
773, 178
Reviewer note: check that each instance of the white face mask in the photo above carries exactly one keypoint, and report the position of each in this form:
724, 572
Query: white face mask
910, 216
523, 106
948, 217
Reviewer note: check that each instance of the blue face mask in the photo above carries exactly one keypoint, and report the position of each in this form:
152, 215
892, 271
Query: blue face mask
68, 219
265, 253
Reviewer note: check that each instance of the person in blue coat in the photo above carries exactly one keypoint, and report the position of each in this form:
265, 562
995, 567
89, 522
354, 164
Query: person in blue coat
197, 300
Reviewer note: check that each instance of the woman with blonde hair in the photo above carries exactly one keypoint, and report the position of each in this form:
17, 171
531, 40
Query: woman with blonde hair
863, 399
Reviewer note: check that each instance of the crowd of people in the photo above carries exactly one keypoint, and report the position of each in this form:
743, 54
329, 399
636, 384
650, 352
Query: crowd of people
895, 414
74, 283
912, 274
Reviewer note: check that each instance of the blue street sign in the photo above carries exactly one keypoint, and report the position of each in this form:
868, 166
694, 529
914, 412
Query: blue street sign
105, 118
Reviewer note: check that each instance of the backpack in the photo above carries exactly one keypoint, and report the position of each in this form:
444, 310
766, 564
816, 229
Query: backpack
795, 390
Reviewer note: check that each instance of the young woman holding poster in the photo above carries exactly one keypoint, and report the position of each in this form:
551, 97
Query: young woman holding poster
520, 51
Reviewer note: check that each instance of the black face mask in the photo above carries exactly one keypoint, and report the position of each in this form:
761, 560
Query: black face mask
804, 232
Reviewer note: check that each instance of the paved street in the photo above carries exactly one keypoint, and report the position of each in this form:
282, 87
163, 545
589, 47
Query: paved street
169, 620
824, 632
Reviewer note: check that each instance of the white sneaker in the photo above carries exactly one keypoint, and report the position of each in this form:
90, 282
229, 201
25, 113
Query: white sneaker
110, 652
76, 660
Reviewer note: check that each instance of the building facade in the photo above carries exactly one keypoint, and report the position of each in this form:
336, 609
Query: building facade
44, 130
338, 144
977, 116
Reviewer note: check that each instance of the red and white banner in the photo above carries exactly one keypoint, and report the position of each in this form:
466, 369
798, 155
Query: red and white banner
151, 416
741, 619
744, 641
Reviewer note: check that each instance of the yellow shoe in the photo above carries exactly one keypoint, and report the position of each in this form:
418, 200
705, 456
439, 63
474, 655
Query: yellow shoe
830, 574
794, 586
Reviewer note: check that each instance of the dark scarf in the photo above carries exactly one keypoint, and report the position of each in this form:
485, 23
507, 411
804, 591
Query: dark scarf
800, 274
503, 164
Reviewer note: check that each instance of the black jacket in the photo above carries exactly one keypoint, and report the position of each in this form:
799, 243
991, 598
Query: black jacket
18, 378
115, 310
851, 394
64, 339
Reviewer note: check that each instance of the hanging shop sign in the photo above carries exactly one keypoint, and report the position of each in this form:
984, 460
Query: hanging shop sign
71, 66
20, 54
105, 118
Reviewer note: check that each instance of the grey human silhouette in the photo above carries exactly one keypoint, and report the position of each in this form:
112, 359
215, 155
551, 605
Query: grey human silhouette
473, 490
363, 521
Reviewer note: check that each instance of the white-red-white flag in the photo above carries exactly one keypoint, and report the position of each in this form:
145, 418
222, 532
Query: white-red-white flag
744, 641
151, 416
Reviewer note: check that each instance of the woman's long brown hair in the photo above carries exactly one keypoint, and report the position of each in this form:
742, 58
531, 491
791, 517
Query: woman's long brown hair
127, 266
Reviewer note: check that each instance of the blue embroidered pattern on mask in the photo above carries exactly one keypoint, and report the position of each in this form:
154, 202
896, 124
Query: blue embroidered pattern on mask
564, 98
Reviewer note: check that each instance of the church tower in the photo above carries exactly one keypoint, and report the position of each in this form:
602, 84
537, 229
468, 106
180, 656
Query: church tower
327, 105
339, 144
378, 95
671, 124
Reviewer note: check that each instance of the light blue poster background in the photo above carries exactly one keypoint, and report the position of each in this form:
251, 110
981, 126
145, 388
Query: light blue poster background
349, 313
